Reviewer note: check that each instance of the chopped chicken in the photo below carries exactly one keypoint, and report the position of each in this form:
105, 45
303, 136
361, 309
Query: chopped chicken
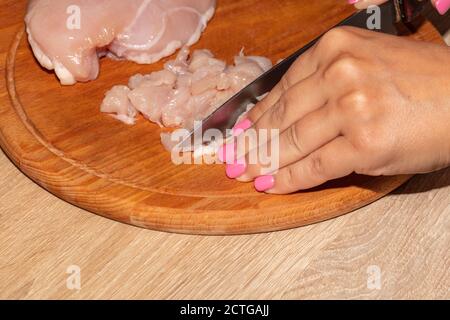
119, 105
69, 36
189, 89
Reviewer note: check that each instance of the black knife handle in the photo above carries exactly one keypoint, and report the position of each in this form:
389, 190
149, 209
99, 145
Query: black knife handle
409, 10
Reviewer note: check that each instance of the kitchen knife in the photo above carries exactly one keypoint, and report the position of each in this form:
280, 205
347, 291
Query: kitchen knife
396, 18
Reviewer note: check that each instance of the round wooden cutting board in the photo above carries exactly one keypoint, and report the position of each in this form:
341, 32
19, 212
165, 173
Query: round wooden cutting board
57, 136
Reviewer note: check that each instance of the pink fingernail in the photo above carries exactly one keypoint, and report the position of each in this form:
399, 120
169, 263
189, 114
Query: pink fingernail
442, 6
352, 1
227, 153
241, 127
264, 183
236, 169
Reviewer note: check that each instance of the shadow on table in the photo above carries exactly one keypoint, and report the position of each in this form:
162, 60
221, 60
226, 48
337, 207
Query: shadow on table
426, 182
417, 184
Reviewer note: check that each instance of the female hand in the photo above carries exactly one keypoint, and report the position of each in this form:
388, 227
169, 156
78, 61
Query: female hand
358, 101
442, 6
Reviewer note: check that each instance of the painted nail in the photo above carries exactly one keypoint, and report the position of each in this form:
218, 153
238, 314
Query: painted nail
227, 152
352, 1
264, 183
442, 6
241, 127
236, 169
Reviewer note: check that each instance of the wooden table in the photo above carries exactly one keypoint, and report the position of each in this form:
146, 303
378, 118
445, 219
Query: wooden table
406, 235
402, 240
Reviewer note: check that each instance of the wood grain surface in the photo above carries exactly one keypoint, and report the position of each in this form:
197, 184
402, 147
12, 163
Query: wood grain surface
406, 235
57, 136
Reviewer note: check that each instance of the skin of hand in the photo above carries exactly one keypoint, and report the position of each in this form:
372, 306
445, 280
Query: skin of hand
358, 101
442, 6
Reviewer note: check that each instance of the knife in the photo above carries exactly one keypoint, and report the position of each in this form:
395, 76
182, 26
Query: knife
396, 17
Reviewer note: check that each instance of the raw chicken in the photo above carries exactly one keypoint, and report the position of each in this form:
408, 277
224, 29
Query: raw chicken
69, 36
117, 102
188, 89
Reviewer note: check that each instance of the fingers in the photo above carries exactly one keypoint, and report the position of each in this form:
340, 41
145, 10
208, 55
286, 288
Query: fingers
293, 104
300, 108
301, 99
302, 138
301, 69
334, 160
324, 52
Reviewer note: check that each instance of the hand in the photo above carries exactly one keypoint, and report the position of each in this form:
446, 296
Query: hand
442, 6
358, 101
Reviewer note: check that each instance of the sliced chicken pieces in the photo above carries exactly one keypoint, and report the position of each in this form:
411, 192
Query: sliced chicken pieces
143, 31
188, 89
118, 104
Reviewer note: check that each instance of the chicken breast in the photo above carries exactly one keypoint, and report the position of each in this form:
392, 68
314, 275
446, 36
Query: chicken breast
69, 36
189, 88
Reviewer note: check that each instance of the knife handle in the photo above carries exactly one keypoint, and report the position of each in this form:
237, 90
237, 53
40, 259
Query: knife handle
409, 10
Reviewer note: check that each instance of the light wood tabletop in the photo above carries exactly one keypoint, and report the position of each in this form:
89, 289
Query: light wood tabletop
397, 247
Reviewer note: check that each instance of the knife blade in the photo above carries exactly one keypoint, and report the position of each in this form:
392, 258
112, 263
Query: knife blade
391, 17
